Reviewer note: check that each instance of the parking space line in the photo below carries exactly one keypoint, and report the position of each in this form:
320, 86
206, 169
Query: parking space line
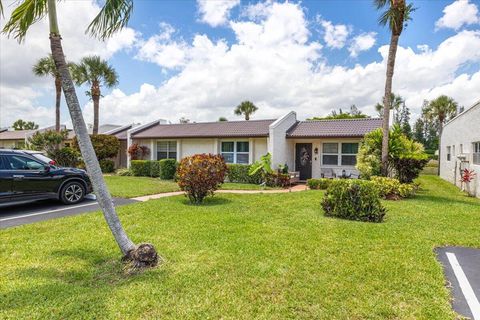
465, 286
46, 212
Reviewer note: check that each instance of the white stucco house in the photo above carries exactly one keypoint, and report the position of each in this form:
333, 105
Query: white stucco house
311, 147
460, 143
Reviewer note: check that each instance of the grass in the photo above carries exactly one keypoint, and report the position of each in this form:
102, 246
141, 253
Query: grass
262, 256
129, 187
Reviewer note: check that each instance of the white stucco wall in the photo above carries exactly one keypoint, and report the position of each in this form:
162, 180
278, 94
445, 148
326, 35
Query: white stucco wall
278, 146
195, 146
11, 144
460, 133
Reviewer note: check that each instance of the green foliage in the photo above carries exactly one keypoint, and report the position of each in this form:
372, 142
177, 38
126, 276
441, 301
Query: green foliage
66, 157
239, 173
24, 125
124, 172
94, 71
353, 200
200, 175
277, 179
113, 16
246, 108
406, 158
47, 141
105, 146
107, 165
392, 189
353, 114
264, 165
168, 167
319, 184
145, 168
138, 152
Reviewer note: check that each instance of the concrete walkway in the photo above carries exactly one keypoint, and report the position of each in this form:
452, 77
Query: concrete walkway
296, 188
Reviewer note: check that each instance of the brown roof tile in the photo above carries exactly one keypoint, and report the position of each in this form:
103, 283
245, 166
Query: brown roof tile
334, 128
221, 129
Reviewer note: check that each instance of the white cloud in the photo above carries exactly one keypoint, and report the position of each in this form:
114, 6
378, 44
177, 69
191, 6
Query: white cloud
335, 36
457, 14
362, 42
216, 12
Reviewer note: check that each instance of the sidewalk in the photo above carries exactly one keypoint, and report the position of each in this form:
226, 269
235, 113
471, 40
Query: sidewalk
296, 188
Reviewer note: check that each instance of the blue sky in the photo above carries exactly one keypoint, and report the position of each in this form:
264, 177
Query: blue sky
199, 59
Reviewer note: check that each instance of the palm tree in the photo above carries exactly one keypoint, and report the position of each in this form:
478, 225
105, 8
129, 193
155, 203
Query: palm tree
396, 14
95, 72
396, 102
46, 67
246, 108
112, 17
440, 110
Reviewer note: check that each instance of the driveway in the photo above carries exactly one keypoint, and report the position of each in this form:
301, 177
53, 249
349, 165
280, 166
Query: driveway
30, 212
462, 269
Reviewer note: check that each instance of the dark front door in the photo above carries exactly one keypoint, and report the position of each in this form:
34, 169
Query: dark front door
303, 160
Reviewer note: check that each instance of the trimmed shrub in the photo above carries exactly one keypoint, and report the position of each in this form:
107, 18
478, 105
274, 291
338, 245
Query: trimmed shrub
200, 175
107, 165
138, 152
353, 200
239, 173
275, 179
145, 168
318, 184
66, 157
105, 146
392, 189
124, 172
168, 167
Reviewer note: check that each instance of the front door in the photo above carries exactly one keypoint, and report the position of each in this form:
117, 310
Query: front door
303, 160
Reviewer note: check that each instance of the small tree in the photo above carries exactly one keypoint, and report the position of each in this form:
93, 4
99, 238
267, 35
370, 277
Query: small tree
264, 166
47, 141
246, 108
24, 125
200, 175
105, 146
138, 152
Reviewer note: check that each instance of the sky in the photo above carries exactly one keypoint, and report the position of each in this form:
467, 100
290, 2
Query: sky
200, 59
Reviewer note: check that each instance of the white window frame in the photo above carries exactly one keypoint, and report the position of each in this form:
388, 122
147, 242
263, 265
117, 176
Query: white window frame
168, 149
339, 154
476, 152
235, 152
449, 153
330, 154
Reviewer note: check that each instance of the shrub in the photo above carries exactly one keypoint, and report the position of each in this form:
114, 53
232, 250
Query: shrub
66, 157
145, 168
318, 184
275, 179
124, 172
105, 146
392, 189
353, 200
168, 167
47, 141
138, 152
239, 173
200, 175
107, 165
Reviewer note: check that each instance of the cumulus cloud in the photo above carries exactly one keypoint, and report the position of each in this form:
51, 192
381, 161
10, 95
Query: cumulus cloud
216, 12
457, 14
362, 42
334, 36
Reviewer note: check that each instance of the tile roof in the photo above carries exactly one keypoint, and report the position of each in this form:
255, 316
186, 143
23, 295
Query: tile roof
220, 129
334, 128
15, 135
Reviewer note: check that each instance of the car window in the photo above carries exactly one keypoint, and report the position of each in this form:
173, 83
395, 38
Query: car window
3, 165
23, 163
42, 158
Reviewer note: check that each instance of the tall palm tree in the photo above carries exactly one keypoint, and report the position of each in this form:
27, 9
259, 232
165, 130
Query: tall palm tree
396, 14
246, 108
396, 102
112, 17
96, 72
46, 67
440, 110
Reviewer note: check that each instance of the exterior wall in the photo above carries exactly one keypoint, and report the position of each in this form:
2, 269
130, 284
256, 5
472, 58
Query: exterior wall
194, 146
12, 144
278, 146
317, 158
458, 134
260, 148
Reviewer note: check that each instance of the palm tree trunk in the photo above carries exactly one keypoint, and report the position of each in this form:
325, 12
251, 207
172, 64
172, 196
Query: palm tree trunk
58, 97
386, 100
96, 104
103, 196
247, 116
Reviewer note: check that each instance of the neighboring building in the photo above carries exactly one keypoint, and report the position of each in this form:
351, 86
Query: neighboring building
121, 134
460, 143
14, 139
310, 147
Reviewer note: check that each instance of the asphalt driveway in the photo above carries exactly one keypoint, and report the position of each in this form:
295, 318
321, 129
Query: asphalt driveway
30, 212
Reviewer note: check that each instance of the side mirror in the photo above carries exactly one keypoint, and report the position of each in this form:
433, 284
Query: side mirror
46, 169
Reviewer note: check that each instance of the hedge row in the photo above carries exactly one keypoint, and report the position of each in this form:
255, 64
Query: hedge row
165, 169
239, 173
319, 184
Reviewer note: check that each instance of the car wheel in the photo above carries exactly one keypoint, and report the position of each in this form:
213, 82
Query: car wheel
73, 192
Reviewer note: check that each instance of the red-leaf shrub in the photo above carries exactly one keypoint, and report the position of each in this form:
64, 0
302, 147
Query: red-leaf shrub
200, 175
138, 152
467, 175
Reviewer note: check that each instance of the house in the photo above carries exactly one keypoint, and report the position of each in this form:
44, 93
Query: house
14, 139
310, 147
460, 143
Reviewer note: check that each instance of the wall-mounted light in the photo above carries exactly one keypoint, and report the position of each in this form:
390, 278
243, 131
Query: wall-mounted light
315, 150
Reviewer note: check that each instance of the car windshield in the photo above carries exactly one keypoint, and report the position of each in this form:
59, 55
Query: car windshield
43, 158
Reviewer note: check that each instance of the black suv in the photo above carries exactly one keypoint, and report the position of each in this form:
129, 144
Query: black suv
29, 175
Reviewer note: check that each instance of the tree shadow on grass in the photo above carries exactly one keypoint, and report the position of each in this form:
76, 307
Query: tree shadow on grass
64, 291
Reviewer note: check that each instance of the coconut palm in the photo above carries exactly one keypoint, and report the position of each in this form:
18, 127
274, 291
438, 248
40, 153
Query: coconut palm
113, 16
440, 110
95, 72
397, 13
46, 67
246, 108
396, 102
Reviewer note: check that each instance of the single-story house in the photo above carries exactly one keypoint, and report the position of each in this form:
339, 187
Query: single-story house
14, 139
310, 147
460, 143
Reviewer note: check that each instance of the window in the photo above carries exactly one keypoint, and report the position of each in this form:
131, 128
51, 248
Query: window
166, 150
453, 151
461, 148
349, 154
449, 153
330, 154
3, 163
235, 151
23, 163
476, 153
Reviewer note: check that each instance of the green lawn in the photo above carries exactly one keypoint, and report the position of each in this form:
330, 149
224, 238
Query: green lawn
129, 187
262, 256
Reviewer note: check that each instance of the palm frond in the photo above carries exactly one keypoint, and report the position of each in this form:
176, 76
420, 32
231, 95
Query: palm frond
1, 9
112, 17
23, 17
